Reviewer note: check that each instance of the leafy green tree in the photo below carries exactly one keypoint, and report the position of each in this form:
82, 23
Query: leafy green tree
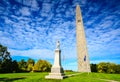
4, 54
93, 67
15, 67
22, 65
117, 69
5, 60
0, 66
102, 67
111, 67
6, 66
30, 64
42, 66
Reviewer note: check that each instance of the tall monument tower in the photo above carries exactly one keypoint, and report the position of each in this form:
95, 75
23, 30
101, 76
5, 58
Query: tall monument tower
82, 53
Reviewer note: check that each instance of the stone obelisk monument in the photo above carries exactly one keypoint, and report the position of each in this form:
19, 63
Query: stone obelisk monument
56, 70
82, 53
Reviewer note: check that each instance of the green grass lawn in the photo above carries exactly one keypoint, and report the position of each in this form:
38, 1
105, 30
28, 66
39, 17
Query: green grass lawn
39, 77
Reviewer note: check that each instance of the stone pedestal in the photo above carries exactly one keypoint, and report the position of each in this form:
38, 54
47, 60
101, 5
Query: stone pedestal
56, 70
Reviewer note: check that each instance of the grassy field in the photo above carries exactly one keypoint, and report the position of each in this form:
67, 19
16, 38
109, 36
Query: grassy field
79, 77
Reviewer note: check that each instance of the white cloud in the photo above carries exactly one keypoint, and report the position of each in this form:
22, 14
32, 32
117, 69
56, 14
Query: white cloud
46, 10
46, 7
7, 41
25, 11
34, 5
33, 53
7, 20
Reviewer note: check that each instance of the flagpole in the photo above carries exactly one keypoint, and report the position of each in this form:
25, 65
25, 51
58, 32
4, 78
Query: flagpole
85, 58
87, 68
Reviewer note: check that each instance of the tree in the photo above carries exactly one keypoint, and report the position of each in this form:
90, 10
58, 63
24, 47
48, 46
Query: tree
102, 67
30, 64
111, 67
42, 66
93, 67
15, 67
4, 54
5, 60
7, 66
22, 65
117, 69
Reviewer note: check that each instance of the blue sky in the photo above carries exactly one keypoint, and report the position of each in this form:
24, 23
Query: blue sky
30, 28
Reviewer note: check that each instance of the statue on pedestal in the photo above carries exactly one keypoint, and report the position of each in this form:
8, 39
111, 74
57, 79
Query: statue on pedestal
57, 71
58, 45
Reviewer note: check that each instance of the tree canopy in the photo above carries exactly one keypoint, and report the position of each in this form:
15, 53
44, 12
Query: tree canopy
42, 66
105, 67
30, 64
4, 54
6, 63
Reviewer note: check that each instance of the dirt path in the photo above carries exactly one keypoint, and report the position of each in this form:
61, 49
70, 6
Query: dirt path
73, 74
108, 80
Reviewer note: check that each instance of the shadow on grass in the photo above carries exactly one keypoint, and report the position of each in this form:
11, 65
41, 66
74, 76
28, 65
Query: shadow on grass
55, 80
11, 79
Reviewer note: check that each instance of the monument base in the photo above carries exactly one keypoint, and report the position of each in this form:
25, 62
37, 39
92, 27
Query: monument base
55, 76
56, 73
